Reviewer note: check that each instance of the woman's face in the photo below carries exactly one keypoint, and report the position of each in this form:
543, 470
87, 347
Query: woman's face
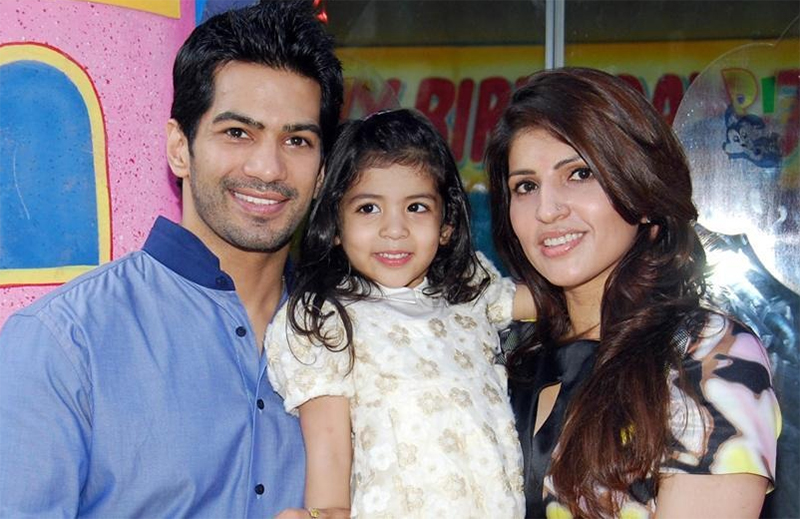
567, 227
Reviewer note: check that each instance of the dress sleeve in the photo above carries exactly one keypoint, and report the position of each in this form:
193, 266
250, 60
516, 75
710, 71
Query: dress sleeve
498, 296
300, 370
45, 418
733, 425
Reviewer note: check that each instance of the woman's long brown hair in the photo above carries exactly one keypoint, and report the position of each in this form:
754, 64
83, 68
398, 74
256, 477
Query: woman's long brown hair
616, 430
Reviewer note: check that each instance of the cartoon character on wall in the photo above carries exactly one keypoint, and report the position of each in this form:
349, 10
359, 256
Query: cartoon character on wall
749, 138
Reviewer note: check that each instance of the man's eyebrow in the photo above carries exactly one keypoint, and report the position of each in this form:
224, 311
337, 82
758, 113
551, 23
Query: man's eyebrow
233, 116
303, 127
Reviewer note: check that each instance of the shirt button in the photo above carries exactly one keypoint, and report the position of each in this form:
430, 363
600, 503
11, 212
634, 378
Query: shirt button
259, 489
260, 404
241, 331
221, 281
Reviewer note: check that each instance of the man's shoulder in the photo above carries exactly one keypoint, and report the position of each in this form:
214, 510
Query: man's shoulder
94, 286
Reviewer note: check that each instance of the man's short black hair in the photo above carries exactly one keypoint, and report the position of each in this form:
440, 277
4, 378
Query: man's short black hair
283, 35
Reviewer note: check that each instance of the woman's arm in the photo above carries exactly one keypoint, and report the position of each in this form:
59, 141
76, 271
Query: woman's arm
524, 308
732, 496
325, 422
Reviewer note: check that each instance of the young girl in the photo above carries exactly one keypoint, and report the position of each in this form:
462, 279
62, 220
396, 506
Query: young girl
391, 336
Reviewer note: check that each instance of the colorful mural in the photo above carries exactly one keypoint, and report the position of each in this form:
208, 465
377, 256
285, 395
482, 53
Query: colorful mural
54, 203
85, 89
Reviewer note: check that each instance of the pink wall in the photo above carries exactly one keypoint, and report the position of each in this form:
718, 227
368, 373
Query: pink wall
128, 56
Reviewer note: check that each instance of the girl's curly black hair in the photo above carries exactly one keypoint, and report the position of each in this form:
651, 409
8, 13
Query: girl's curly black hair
323, 272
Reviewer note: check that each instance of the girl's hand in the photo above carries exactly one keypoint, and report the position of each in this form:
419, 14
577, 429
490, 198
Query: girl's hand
322, 513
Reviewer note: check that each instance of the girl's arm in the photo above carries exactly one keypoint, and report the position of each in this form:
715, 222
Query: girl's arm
524, 308
733, 496
325, 422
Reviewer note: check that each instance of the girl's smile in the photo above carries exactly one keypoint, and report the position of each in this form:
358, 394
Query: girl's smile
391, 224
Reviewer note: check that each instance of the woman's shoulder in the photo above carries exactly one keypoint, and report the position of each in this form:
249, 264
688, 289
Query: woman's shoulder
727, 343
731, 423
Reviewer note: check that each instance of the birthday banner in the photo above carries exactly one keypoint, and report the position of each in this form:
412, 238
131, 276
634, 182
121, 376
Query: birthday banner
463, 90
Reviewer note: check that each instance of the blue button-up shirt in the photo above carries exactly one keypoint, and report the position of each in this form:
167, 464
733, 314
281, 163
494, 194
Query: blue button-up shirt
137, 390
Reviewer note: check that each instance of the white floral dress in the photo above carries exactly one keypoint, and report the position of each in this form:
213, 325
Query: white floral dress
433, 432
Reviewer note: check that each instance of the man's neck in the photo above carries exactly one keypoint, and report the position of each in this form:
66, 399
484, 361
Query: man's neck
258, 277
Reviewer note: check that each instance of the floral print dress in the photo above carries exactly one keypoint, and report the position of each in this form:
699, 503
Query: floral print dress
433, 432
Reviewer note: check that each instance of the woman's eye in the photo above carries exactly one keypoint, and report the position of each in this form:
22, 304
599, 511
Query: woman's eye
417, 207
581, 174
524, 186
367, 209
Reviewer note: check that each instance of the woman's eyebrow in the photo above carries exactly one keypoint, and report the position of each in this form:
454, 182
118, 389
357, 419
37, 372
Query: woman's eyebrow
558, 165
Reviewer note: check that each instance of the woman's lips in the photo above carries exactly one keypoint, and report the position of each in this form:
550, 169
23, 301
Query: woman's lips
558, 245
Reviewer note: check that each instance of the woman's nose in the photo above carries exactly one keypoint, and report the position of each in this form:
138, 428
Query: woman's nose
552, 204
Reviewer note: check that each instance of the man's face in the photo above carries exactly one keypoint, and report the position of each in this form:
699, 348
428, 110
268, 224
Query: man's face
255, 159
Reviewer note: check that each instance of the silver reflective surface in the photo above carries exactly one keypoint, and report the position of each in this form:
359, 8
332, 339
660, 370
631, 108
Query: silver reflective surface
739, 124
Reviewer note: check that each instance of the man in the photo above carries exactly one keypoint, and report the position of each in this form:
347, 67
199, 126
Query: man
139, 389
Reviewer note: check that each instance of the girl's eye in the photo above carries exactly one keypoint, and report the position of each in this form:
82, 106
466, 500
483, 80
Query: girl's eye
524, 186
417, 207
581, 174
367, 209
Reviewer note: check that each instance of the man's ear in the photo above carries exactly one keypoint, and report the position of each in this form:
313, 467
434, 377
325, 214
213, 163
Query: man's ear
445, 233
320, 179
178, 154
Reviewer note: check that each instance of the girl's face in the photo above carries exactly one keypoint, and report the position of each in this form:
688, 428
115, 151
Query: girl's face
391, 225
567, 227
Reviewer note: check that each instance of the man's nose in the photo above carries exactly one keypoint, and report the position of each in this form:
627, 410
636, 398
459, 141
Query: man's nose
265, 161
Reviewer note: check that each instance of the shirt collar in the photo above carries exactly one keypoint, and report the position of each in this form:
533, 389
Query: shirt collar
186, 255
406, 294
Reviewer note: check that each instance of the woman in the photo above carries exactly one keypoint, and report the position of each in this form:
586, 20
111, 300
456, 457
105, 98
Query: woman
630, 394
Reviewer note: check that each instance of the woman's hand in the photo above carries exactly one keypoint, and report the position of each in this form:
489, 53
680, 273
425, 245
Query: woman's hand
321, 513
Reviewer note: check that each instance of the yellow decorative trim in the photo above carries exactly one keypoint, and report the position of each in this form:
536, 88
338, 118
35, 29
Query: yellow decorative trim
43, 276
168, 8
13, 52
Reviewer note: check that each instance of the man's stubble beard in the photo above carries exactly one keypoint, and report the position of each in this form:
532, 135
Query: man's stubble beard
211, 204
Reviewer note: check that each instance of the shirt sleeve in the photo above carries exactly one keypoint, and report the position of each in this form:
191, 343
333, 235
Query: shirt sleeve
45, 419
300, 370
733, 426
498, 296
